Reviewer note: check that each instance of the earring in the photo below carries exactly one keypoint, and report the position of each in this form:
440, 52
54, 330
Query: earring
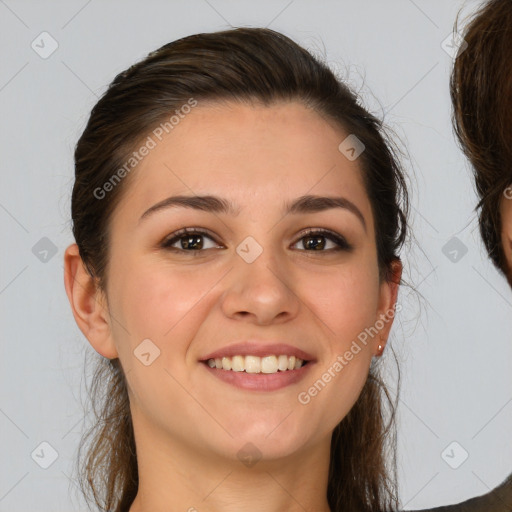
380, 350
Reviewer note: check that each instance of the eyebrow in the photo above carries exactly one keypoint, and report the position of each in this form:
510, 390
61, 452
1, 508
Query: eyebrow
302, 205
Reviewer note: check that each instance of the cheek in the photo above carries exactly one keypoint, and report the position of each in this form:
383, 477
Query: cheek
347, 304
156, 302
346, 301
167, 307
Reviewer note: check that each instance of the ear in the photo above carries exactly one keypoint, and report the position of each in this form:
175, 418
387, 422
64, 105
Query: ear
88, 303
387, 302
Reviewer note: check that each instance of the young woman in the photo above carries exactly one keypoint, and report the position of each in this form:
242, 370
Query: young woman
238, 218
481, 92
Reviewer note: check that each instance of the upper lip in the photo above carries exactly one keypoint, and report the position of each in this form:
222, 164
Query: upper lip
258, 348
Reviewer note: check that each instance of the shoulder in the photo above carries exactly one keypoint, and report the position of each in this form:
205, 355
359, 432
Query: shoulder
497, 500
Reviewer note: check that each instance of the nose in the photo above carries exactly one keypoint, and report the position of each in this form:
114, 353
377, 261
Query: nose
260, 292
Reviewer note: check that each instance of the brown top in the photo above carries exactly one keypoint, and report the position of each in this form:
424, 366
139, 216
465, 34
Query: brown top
497, 500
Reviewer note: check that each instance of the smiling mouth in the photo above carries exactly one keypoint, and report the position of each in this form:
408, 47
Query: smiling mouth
255, 364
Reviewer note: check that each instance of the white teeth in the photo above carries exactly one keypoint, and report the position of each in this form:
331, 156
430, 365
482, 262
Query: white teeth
269, 364
255, 364
237, 363
252, 364
282, 363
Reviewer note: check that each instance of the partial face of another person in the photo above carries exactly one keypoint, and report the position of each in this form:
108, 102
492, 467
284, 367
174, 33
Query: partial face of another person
257, 272
506, 228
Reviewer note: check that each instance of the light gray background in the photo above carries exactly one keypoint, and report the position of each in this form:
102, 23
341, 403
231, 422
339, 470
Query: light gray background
455, 347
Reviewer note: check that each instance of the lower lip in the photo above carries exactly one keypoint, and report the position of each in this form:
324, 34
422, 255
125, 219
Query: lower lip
260, 381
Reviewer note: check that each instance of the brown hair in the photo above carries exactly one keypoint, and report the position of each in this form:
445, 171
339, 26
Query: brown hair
481, 94
243, 65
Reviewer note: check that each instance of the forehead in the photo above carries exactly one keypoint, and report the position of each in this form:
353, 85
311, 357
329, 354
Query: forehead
251, 154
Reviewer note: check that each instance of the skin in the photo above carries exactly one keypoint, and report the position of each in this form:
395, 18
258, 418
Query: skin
184, 418
506, 230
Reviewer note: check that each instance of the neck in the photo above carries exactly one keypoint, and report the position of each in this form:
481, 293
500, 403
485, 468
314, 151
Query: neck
176, 476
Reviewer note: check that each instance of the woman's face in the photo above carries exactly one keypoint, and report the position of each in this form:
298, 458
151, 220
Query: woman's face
255, 276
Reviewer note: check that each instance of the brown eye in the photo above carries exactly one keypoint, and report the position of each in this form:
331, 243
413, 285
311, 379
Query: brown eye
315, 241
189, 240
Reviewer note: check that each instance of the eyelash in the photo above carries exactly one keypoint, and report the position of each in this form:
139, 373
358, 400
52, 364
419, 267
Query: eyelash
343, 245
